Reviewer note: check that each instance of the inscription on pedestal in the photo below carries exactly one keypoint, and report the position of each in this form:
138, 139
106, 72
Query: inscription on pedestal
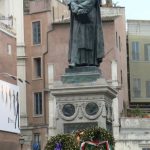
71, 127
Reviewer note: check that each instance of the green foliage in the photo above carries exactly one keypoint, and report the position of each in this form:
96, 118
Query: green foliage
68, 142
73, 141
97, 134
135, 113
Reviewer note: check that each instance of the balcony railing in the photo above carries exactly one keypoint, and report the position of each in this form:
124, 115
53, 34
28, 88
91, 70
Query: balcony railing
112, 11
7, 24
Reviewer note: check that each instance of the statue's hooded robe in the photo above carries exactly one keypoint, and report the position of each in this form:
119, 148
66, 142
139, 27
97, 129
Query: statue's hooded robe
86, 46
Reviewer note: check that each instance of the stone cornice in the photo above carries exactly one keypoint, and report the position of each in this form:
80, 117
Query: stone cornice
68, 90
6, 29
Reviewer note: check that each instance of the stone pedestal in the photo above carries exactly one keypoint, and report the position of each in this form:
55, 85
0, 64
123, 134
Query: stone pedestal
81, 74
78, 105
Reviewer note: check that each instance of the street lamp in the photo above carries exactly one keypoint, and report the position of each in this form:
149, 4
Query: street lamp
21, 141
14, 77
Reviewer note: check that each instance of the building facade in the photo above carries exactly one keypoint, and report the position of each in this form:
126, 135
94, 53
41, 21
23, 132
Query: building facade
138, 51
42, 37
133, 132
46, 26
37, 23
113, 66
9, 129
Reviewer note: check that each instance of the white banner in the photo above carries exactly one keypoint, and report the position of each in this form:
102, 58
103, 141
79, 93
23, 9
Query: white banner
9, 107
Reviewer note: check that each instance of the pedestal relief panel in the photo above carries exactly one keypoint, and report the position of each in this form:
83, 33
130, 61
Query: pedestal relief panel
71, 110
80, 106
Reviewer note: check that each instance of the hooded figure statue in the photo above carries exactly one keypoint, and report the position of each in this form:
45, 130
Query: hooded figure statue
86, 45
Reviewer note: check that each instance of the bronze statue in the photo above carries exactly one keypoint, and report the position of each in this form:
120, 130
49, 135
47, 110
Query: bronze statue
86, 45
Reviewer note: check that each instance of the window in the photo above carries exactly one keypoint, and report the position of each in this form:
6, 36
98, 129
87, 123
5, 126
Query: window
38, 103
121, 76
116, 39
36, 142
36, 32
145, 148
147, 88
119, 43
37, 67
135, 51
9, 49
147, 52
136, 87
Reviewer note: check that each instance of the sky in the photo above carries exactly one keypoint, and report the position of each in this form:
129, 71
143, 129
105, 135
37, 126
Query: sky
135, 9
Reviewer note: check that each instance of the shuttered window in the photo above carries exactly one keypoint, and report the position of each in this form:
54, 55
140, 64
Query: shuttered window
136, 87
147, 52
147, 88
38, 103
37, 67
135, 51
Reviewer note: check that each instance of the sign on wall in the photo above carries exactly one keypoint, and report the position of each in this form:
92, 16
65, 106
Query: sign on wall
9, 107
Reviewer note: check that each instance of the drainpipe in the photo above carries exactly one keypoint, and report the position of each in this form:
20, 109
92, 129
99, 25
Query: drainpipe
44, 79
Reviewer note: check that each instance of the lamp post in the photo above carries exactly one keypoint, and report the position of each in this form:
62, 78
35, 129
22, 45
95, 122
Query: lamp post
21, 141
14, 77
